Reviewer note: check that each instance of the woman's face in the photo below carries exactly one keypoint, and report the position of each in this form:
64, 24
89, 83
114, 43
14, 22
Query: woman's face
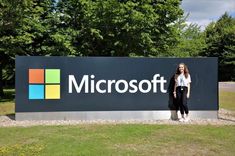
181, 68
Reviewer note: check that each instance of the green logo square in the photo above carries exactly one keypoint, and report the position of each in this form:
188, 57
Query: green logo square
52, 75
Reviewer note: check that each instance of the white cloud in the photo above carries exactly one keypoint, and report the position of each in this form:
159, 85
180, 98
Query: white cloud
203, 12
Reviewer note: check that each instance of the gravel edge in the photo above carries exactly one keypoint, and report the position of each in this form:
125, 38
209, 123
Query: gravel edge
226, 117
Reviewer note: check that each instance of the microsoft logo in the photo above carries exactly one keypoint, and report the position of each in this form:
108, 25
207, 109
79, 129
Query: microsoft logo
44, 84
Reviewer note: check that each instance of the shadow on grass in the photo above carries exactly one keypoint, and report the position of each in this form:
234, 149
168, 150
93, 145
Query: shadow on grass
6, 100
225, 119
11, 116
9, 95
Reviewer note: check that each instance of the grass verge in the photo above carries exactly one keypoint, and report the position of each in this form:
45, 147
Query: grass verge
131, 139
227, 100
7, 103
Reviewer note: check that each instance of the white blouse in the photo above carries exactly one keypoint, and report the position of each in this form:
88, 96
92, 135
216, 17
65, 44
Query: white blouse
182, 80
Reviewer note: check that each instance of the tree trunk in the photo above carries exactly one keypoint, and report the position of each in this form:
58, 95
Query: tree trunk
1, 82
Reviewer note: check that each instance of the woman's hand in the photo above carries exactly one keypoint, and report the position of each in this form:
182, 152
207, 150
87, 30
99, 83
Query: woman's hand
188, 95
174, 93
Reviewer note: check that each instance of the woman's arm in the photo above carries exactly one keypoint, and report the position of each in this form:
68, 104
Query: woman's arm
174, 93
188, 94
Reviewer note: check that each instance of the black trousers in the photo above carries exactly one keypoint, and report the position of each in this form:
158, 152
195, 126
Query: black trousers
181, 98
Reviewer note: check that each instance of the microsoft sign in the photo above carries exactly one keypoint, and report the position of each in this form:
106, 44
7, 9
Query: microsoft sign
44, 84
110, 87
132, 86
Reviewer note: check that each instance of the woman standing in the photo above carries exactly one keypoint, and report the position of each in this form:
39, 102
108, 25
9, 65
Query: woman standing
182, 90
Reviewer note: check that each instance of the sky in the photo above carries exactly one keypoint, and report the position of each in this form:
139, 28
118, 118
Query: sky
203, 12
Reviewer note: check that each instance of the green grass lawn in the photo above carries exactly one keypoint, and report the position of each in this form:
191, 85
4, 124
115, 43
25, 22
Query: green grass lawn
227, 100
7, 104
133, 139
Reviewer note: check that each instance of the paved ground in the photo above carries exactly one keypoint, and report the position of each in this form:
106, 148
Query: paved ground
225, 118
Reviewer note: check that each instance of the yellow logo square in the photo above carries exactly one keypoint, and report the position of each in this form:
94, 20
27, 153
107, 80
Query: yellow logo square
52, 92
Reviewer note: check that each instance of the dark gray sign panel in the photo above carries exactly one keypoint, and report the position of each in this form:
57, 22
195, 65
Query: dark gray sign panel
42, 83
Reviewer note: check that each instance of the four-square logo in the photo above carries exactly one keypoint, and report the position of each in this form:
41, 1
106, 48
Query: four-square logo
44, 84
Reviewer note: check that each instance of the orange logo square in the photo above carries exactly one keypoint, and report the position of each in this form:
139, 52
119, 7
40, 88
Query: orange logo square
36, 75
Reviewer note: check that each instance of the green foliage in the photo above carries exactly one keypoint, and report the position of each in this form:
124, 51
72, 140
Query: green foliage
191, 41
10, 15
220, 40
119, 28
117, 139
88, 27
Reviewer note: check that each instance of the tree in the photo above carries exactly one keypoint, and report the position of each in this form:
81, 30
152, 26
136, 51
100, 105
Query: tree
191, 41
25, 29
121, 28
10, 16
33, 33
220, 40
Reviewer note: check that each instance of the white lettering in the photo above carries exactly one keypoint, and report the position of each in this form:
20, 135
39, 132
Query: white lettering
98, 86
148, 84
92, 84
117, 86
121, 86
162, 81
133, 86
110, 82
72, 81
155, 81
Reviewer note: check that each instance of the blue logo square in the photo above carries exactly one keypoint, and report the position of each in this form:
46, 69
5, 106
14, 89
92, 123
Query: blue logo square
36, 91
